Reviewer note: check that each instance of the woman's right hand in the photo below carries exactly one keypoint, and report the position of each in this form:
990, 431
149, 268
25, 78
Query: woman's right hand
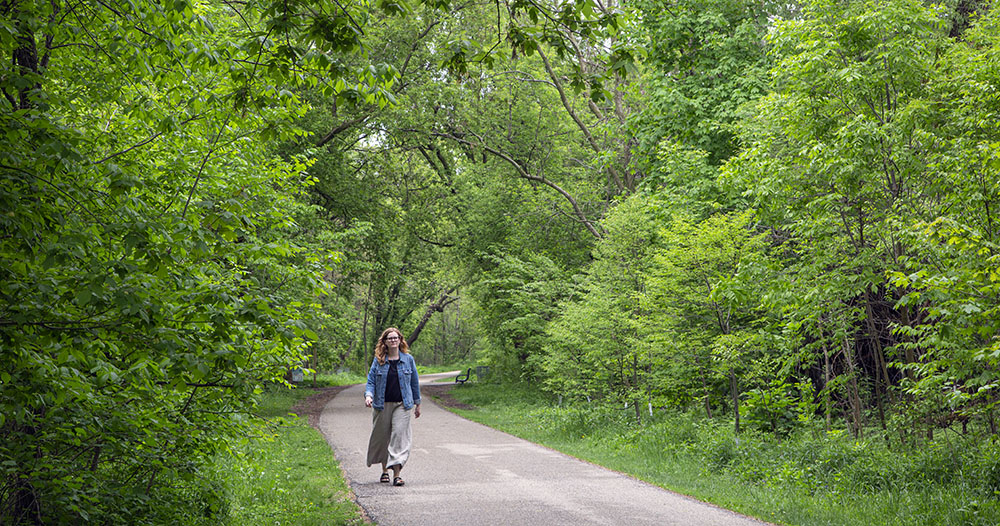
368, 401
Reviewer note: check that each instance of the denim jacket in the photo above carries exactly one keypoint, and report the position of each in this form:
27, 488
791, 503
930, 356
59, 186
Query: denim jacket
409, 384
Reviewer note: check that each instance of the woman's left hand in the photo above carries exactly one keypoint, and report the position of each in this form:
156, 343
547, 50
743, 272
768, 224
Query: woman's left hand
416, 411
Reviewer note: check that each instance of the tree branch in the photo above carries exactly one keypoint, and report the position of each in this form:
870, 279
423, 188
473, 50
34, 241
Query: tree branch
583, 127
435, 243
340, 128
413, 49
437, 306
143, 143
522, 173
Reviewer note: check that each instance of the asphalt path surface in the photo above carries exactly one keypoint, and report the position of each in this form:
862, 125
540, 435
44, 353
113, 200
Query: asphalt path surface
461, 472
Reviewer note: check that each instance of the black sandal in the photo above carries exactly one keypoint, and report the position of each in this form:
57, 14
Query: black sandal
384, 478
398, 481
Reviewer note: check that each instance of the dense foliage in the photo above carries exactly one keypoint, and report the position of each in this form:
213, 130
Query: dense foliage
833, 258
166, 252
148, 285
772, 214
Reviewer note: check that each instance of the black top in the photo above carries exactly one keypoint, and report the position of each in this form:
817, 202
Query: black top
392, 393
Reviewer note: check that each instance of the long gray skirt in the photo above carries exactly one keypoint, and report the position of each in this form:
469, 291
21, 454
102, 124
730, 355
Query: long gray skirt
389, 443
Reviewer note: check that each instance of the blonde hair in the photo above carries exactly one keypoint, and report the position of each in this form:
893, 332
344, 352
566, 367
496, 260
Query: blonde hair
380, 347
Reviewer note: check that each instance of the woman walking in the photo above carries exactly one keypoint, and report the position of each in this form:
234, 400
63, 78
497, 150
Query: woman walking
393, 391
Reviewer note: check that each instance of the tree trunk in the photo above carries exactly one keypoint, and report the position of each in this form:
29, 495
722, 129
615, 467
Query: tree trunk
314, 364
25, 56
885, 374
736, 397
364, 328
826, 384
992, 423
854, 393
704, 388
635, 387
908, 349
879, 402
876, 338
346, 356
24, 504
437, 306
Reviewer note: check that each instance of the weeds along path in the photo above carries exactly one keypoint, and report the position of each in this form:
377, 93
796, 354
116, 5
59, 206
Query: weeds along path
461, 472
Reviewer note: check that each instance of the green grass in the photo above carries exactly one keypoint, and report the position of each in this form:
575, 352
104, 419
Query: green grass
810, 478
288, 476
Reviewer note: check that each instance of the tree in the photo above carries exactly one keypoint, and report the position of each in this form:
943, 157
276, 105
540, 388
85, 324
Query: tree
429, 198
950, 273
705, 292
839, 163
149, 289
597, 348
705, 59
518, 298
151, 181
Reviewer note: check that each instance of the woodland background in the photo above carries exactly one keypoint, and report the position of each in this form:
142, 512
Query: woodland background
780, 216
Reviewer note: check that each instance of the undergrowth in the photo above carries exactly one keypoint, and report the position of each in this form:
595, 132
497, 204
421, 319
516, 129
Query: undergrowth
287, 475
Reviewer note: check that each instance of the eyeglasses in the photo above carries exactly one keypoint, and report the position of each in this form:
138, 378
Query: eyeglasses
391, 338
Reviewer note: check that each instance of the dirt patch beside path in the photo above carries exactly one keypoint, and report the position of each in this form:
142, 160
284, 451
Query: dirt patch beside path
312, 406
441, 393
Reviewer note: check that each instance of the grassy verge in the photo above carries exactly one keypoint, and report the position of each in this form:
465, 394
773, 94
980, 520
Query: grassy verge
811, 478
288, 476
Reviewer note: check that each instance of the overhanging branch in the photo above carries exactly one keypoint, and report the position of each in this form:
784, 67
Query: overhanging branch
524, 174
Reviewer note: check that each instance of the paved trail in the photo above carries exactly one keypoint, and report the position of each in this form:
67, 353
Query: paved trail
461, 472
